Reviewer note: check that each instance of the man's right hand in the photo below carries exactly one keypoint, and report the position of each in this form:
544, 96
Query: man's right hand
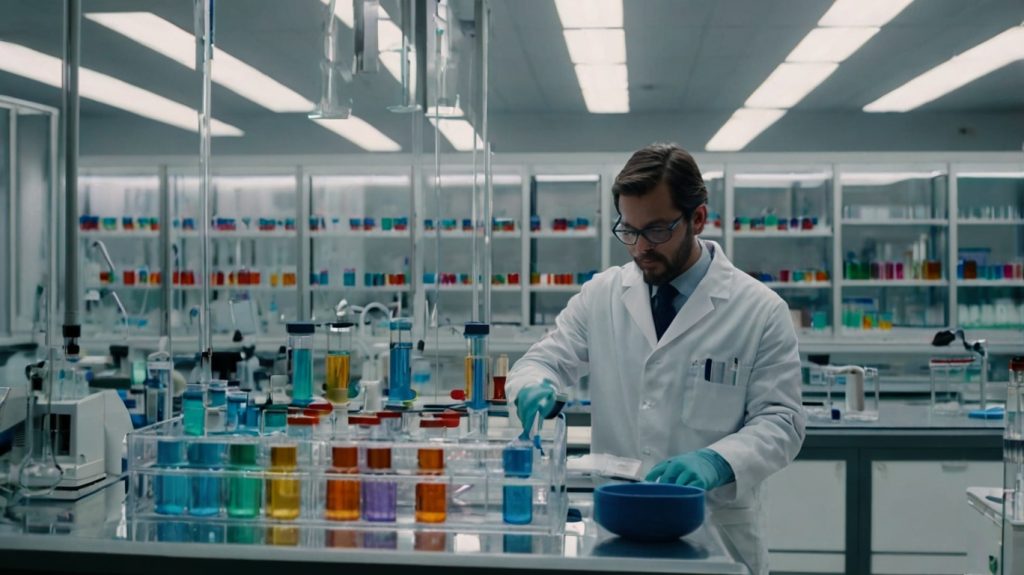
535, 400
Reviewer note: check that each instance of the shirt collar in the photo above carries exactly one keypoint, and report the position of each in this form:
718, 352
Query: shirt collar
686, 283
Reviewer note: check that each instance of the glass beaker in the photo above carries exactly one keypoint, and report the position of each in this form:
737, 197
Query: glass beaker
338, 362
400, 372
948, 378
432, 496
300, 347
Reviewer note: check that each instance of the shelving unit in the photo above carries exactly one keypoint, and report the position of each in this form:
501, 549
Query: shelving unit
378, 250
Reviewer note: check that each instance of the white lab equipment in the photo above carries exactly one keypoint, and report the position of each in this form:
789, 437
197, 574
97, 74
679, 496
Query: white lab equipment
860, 387
948, 378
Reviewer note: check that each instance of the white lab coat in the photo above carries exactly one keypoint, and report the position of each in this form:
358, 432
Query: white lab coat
648, 403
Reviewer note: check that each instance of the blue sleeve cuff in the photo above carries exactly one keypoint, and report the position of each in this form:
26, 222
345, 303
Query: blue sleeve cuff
725, 473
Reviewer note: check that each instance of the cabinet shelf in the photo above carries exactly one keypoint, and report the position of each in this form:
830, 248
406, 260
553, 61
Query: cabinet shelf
895, 283
555, 288
799, 285
461, 235
376, 234
568, 234
990, 283
126, 234
341, 288
820, 232
241, 235
986, 222
909, 222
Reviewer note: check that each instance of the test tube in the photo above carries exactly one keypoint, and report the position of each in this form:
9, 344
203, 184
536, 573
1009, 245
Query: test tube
218, 394
432, 497
477, 376
400, 373
284, 489
301, 428
517, 500
244, 493
170, 491
158, 382
206, 487
237, 401
193, 409
339, 346
275, 419
379, 495
500, 374
300, 344
343, 494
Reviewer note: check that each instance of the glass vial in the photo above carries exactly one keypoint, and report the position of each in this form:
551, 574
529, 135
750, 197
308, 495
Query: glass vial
245, 494
207, 459
284, 489
338, 362
380, 495
431, 497
517, 500
400, 373
300, 346
343, 494
170, 492
193, 409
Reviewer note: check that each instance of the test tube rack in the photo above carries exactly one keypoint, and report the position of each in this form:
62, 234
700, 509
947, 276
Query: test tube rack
473, 475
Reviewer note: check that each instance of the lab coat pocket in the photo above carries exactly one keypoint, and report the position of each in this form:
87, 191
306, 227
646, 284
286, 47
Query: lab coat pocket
713, 406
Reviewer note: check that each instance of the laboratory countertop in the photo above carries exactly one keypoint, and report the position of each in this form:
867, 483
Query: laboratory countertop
91, 535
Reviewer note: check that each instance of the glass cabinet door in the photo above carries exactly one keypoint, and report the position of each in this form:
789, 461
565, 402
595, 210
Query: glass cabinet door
895, 248
119, 227
990, 248
361, 236
253, 258
782, 235
565, 248
452, 220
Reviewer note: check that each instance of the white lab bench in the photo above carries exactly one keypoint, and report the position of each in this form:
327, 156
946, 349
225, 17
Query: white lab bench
880, 497
91, 536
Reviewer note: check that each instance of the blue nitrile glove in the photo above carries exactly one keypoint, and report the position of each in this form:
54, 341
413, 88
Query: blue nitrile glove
702, 468
535, 400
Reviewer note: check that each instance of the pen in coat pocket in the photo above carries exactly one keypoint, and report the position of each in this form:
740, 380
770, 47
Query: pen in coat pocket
735, 370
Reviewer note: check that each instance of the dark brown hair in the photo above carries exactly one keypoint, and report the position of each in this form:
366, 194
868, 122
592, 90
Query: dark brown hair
668, 163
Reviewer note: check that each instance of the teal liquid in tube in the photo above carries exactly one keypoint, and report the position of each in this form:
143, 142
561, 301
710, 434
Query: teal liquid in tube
193, 410
400, 373
206, 487
300, 343
517, 500
244, 493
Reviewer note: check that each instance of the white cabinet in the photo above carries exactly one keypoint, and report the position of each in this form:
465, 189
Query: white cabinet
806, 508
917, 513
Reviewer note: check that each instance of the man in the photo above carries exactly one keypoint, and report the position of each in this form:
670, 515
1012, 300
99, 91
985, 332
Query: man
693, 364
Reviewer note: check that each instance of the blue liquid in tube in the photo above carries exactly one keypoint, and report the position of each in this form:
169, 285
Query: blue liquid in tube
302, 376
207, 498
517, 500
193, 410
170, 492
399, 375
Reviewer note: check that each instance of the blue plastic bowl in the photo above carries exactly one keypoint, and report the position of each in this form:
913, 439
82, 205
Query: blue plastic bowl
649, 511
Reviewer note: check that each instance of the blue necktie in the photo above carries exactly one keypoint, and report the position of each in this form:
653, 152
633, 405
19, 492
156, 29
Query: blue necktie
663, 309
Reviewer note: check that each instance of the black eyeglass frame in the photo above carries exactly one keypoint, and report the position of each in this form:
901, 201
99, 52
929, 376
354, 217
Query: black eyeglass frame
671, 228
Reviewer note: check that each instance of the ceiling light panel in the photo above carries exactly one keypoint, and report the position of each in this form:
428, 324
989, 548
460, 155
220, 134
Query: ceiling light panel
788, 84
105, 89
361, 133
459, 133
589, 13
985, 58
178, 44
743, 126
605, 87
596, 46
830, 44
875, 13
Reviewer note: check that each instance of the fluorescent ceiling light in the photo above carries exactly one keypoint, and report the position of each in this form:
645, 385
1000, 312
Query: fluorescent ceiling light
830, 44
712, 175
862, 12
788, 84
343, 10
361, 133
598, 46
886, 178
136, 182
178, 44
467, 179
785, 177
996, 52
605, 87
459, 133
743, 126
105, 89
590, 13
249, 183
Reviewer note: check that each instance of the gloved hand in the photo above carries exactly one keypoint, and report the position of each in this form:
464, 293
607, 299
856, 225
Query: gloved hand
535, 400
702, 468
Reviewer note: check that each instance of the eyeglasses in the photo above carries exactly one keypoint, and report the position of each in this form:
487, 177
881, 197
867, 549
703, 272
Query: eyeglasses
654, 234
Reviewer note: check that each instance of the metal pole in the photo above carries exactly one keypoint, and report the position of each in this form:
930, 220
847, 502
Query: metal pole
485, 39
166, 268
12, 219
70, 108
54, 209
205, 331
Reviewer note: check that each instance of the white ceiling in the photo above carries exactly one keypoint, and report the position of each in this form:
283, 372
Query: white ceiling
691, 63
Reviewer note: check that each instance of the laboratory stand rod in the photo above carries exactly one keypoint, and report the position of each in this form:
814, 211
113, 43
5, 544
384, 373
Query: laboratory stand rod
69, 108
205, 35
484, 22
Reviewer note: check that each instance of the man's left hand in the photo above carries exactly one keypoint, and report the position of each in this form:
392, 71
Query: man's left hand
702, 468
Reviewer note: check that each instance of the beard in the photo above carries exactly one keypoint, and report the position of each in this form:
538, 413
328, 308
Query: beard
670, 267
